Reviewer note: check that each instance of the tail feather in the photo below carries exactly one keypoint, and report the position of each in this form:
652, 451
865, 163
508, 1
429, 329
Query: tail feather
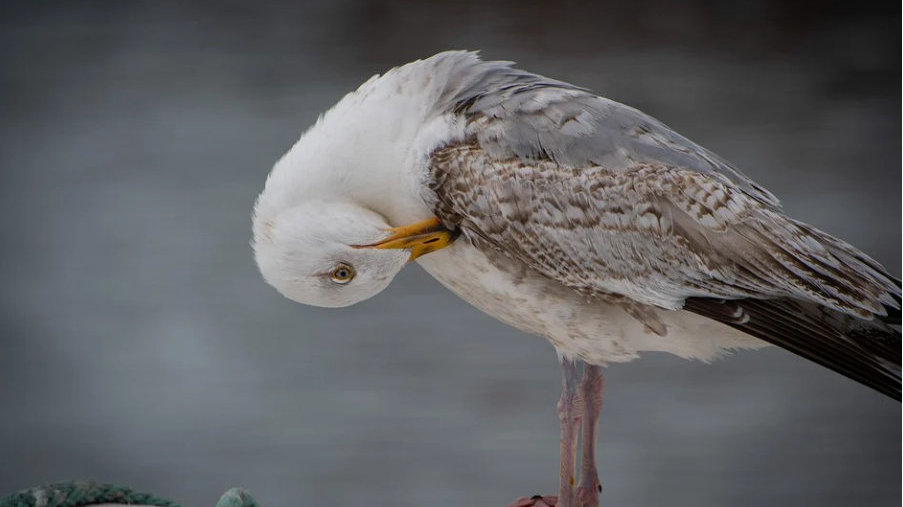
867, 351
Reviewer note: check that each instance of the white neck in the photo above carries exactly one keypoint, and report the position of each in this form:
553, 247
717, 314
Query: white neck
372, 147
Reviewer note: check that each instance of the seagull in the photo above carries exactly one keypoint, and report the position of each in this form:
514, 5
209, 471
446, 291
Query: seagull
569, 216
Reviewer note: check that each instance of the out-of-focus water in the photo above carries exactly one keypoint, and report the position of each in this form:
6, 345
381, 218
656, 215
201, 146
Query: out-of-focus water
140, 346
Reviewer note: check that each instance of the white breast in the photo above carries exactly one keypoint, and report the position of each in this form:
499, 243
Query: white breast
591, 330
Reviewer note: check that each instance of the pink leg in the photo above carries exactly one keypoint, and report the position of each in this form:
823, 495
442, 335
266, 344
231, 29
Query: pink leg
590, 391
570, 411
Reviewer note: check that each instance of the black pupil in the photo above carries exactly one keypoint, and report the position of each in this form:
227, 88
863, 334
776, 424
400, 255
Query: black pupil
342, 273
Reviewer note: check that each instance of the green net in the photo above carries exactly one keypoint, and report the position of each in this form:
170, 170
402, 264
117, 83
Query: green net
80, 494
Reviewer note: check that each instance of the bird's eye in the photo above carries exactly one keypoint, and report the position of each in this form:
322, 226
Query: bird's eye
342, 273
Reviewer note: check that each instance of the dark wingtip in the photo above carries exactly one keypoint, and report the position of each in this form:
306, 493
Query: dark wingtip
869, 354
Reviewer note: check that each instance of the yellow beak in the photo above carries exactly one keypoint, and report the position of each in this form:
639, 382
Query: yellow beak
420, 238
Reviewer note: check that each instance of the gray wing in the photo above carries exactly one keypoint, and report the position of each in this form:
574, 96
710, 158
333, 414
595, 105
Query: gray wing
675, 238
612, 203
655, 233
514, 113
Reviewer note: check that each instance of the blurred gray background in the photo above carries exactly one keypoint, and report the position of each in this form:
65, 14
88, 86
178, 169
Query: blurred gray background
141, 347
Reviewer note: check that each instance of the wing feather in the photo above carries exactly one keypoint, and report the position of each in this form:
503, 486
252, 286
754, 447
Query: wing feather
612, 203
867, 352
677, 238
653, 233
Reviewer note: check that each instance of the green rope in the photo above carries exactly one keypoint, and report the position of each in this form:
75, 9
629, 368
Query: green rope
235, 497
81, 494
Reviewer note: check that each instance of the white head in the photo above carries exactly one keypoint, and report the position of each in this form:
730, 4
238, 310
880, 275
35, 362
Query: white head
321, 236
312, 253
334, 253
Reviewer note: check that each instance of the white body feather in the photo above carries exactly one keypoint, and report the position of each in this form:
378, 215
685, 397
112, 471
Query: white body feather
593, 331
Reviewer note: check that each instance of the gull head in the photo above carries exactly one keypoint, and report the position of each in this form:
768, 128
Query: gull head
322, 226
312, 253
335, 254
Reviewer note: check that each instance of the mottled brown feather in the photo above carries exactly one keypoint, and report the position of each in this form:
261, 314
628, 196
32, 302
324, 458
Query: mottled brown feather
653, 234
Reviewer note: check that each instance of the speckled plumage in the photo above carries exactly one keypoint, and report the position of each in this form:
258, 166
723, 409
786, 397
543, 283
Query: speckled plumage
604, 200
655, 234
